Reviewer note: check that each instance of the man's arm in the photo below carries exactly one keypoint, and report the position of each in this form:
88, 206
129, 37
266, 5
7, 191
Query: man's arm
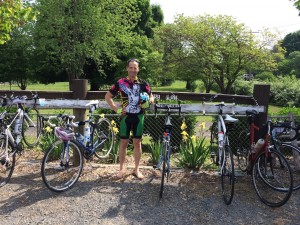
110, 102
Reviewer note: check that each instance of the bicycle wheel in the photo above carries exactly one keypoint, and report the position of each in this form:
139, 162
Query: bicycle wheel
31, 127
163, 171
243, 150
214, 143
292, 155
272, 179
7, 165
62, 165
103, 138
227, 175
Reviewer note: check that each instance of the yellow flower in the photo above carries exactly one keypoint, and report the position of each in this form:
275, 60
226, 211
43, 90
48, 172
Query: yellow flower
115, 130
113, 123
184, 137
184, 133
48, 129
203, 125
183, 125
193, 137
102, 115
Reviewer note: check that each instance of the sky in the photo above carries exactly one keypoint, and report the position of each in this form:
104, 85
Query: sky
276, 15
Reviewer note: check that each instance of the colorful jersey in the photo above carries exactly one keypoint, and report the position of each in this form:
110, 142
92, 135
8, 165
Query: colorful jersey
130, 93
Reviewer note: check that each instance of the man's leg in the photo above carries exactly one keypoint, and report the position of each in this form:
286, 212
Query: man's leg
122, 155
137, 152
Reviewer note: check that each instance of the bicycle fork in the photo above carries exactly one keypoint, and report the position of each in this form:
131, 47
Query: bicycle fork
164, 155
64, 160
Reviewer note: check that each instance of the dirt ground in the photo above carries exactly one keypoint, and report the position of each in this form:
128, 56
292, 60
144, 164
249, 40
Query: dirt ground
98, 198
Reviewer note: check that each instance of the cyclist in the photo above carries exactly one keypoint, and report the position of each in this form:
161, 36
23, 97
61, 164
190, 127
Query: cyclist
130, 89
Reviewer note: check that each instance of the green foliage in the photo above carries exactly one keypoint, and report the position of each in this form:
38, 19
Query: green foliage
286, 110
285, 91
290, 65
47, 139
265, 76
114, 154
242, 87
156, 147
193, 153
12, 15
214, 49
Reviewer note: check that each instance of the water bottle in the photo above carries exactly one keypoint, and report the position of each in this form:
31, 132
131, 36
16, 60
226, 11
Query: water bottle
17, 126
258, 145
220, 139
87, 133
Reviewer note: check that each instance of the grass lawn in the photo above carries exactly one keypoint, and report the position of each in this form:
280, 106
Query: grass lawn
58, 86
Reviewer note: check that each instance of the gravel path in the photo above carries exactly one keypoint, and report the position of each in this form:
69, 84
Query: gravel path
98, 198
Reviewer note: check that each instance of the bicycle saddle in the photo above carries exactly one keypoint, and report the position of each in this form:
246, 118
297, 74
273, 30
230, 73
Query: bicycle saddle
251, 112
230, 119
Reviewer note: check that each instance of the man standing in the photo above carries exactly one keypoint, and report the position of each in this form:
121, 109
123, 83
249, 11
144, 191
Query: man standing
132, 114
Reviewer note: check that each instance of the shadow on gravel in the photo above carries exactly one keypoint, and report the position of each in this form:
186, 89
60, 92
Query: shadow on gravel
99, 199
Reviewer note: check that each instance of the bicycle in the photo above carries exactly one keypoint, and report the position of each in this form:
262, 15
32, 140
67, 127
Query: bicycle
11, 140
63, 162
224, 156
164, 160
270, 171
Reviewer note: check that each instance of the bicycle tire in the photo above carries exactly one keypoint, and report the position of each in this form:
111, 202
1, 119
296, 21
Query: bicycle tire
292, 155
103, 138
243, 150
273, 183
227, 175
7, 166
57, 175
163, 171
31, 130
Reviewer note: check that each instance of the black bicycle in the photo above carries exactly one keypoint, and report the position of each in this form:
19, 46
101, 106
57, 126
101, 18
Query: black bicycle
164, 161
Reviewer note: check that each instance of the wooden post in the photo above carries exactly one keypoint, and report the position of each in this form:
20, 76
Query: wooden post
79, 87
261, 93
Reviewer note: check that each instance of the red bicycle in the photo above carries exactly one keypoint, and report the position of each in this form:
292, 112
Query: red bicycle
271, 174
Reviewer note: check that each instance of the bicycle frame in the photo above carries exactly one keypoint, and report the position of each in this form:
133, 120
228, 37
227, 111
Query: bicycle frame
9, 136
165, 156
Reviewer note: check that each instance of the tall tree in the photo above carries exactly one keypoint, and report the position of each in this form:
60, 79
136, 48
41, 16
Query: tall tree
291, 42
213, 49
17, 57
75, 32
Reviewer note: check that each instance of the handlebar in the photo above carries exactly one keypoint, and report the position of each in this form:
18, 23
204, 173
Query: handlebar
64, 117
168, 108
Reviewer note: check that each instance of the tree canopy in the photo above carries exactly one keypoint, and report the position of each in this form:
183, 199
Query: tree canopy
212, 49
13, 13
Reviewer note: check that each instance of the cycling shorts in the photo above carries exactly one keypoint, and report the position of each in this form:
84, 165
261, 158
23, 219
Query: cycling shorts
132, 122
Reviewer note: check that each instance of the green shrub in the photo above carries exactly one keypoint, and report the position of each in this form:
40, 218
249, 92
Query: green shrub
285, 91
241, 87
47, 139
193, 153
155, 151
265, 76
